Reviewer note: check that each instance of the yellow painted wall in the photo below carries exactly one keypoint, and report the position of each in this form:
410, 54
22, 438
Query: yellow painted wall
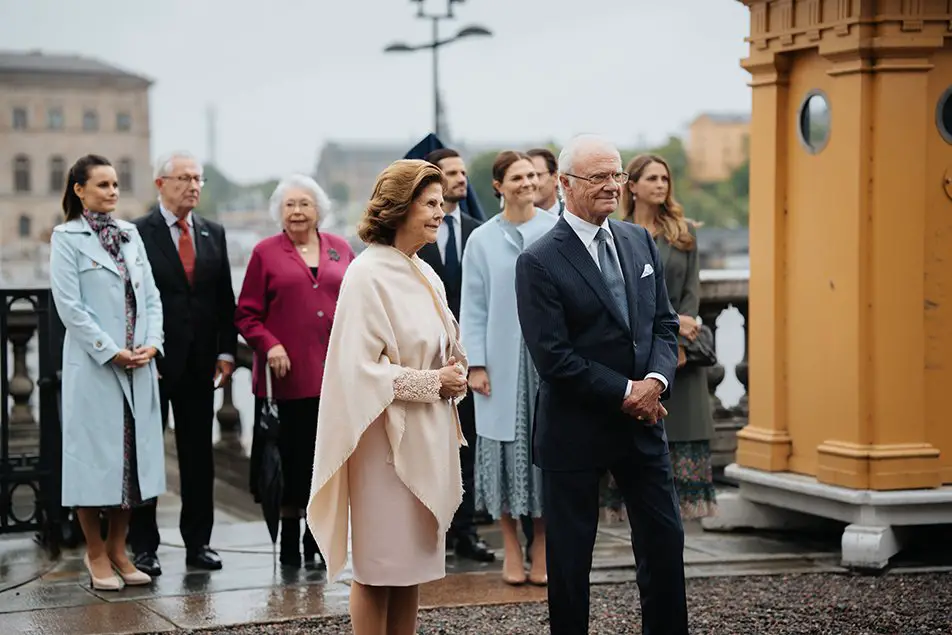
851, 246
938, 276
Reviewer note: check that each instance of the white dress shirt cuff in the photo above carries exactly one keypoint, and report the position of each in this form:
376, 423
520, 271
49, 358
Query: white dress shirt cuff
659, 377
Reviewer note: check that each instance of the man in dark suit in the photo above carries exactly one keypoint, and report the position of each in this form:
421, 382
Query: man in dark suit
595, 316
445, 256
189, 259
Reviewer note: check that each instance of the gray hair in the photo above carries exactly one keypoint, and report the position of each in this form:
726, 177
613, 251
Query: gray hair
583, 142
299, 181
164, 164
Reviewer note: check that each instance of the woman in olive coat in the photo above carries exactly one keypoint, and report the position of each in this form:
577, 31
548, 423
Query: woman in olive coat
648, 200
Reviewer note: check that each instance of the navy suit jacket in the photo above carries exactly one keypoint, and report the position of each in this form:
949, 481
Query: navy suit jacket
584, 352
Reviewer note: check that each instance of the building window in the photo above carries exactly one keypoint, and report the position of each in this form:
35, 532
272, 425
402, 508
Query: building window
814, 121
19, 119
54, 118
125, 175
25, 226
57, 174
21, 173
90, 121
123, 122
943, 115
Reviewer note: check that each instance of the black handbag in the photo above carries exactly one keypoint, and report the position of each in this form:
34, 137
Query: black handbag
699, 353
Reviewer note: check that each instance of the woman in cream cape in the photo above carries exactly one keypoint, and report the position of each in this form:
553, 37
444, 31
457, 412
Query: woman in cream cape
388, 434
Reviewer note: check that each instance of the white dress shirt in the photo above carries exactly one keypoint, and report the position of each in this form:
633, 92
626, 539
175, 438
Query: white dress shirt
176, 232
587, 232
171, 220
443, 235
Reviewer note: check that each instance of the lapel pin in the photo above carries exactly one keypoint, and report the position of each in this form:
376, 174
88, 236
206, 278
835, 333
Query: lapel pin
204, 233
333, 255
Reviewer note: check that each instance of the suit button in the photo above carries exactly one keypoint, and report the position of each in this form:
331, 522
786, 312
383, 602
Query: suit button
320, 314
137, 285
316, 285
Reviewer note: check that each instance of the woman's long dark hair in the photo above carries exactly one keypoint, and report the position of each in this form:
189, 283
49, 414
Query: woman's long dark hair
78, 175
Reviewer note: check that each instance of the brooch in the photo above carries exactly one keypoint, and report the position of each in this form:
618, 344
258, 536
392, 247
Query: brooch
333, 255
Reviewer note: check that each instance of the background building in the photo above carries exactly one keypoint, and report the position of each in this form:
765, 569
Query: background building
717, 145
54, 109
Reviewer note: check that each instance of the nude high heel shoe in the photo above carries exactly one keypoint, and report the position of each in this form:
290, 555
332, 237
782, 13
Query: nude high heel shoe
137, 578
101, 584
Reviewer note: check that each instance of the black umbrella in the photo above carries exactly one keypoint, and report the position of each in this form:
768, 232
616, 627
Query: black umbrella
270, 481
428, 144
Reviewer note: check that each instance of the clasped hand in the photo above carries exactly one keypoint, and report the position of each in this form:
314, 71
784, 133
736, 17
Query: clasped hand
643, 401
452, 380
136, 358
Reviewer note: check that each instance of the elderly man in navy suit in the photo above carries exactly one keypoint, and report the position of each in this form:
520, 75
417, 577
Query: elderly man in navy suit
595, 315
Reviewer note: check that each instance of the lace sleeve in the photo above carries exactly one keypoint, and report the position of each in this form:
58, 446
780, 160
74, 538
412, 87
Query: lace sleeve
421, 386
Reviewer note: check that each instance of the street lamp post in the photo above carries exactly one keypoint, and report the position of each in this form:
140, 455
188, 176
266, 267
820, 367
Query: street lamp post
434, 45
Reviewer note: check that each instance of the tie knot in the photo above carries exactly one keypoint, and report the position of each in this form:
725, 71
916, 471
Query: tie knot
182, 224
449, 220
602, 236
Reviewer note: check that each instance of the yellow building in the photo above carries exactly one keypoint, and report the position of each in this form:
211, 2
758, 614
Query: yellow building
54, 109
851, 274
717, 145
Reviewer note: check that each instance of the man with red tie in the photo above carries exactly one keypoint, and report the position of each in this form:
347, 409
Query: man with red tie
189, 259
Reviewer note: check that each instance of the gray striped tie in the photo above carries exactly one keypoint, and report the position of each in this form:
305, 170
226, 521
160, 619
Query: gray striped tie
612, 272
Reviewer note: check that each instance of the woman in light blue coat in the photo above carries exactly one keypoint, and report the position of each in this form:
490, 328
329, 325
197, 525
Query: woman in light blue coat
113, 456
501, 374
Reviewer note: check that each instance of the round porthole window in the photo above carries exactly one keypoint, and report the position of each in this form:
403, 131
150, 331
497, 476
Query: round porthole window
943, 115
814, 121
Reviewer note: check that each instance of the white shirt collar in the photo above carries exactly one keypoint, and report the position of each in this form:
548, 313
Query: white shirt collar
170, 218
586, 231
456, 214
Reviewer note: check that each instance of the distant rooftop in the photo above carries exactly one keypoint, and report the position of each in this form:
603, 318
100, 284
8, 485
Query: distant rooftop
726, 117
38, 62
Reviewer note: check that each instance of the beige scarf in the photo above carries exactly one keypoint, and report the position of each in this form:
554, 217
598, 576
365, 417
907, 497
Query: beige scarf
391, 315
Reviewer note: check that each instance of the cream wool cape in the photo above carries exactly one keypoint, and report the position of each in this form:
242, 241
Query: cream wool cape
391, 316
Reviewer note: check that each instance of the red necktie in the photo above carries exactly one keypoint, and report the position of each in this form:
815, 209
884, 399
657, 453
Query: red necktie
186, 249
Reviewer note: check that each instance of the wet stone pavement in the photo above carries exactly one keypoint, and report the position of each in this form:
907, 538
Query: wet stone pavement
252, 595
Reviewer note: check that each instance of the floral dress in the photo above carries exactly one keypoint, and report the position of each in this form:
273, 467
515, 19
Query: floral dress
111, 239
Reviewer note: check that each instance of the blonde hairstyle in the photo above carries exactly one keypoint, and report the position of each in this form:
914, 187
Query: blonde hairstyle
675, 228
395, 190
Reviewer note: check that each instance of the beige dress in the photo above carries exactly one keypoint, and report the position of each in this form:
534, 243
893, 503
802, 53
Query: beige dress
386, 463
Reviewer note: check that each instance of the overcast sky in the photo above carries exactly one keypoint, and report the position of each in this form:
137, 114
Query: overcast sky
288, 75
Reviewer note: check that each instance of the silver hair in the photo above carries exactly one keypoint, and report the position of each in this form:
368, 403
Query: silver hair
583, 142
321, 199
164, 164
572, 148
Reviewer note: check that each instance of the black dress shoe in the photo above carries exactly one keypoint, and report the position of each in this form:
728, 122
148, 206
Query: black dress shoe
312, 553
472, 548
203, 558
147, 562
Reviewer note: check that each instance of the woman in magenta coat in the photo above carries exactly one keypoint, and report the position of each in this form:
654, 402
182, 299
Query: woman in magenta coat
285, 312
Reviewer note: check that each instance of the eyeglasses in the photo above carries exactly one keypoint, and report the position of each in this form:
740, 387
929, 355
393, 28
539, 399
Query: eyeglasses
200, 181
601, 179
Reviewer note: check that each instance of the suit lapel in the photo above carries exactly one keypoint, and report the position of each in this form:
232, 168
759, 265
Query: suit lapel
467, 229
293, 254
430, 254
626, 249
574, 251
162, 236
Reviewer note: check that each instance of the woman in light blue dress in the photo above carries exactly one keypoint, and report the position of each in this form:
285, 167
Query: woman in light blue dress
502, 377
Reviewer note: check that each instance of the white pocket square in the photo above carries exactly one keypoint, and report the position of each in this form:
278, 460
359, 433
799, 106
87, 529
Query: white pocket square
648, 271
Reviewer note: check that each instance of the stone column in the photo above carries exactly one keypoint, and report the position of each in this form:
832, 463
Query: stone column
765, 442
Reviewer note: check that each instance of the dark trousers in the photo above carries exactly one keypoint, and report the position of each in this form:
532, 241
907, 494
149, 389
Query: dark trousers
571, 503
192, 400
463, 525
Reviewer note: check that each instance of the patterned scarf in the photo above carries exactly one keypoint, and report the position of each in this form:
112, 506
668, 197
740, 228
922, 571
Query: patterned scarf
110, 236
